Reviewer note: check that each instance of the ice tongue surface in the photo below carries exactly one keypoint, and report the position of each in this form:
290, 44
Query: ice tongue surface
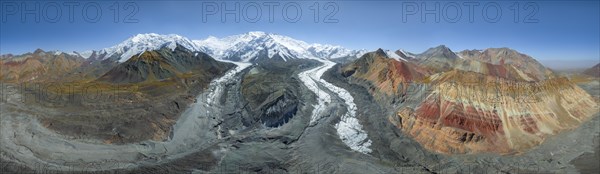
349, 129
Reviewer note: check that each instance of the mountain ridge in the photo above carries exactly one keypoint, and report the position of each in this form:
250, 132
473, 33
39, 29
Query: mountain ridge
242, 47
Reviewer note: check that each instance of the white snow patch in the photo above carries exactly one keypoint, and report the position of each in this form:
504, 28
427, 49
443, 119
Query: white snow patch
392, 54
410, 55
86, 54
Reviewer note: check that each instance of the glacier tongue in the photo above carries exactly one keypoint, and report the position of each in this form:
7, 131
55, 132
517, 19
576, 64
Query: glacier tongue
310, 78
349, 129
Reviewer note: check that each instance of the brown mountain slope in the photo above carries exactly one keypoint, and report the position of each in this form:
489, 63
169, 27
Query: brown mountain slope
164, 64
474, 104
438, 59
385, 74
593, 71
529, 67
469, 112
505, 71
133, 101
38, 66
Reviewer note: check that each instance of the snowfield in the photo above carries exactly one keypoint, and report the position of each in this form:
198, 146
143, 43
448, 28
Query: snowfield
245, 46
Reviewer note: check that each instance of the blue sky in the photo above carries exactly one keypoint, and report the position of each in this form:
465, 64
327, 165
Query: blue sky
559, 32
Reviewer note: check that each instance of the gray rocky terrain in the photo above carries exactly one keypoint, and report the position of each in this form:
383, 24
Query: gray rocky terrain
239, 125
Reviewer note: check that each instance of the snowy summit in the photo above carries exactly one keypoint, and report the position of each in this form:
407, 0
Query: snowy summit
242, 47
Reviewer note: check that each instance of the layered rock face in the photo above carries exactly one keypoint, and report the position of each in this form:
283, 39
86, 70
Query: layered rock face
479, 102
386, 76
493, 115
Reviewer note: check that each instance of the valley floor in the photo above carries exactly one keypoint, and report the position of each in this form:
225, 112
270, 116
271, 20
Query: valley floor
338, 128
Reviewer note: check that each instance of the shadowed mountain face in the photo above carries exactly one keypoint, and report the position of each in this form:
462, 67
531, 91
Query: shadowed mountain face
38, 66
271, 90
483, 102
593, 71
163, 64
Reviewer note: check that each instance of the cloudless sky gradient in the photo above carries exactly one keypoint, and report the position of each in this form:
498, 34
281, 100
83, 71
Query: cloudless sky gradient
551, 31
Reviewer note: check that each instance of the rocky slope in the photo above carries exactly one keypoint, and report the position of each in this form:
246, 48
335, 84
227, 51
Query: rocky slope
271, 91
492, 115
531, 68
386, 75
38, 66
75, 92
471, 105
163, 64
593, 71
170, 108
437, 59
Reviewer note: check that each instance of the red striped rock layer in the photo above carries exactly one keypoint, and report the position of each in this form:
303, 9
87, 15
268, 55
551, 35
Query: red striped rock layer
386, 75
493, 115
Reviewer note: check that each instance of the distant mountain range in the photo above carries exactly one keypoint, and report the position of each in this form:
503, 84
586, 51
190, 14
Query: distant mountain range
243, 47
254, 46
593, 71
132, 57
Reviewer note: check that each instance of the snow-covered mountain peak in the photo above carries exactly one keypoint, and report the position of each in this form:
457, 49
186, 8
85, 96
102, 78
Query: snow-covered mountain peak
257, 33
242, 47
245, 47
144, 42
